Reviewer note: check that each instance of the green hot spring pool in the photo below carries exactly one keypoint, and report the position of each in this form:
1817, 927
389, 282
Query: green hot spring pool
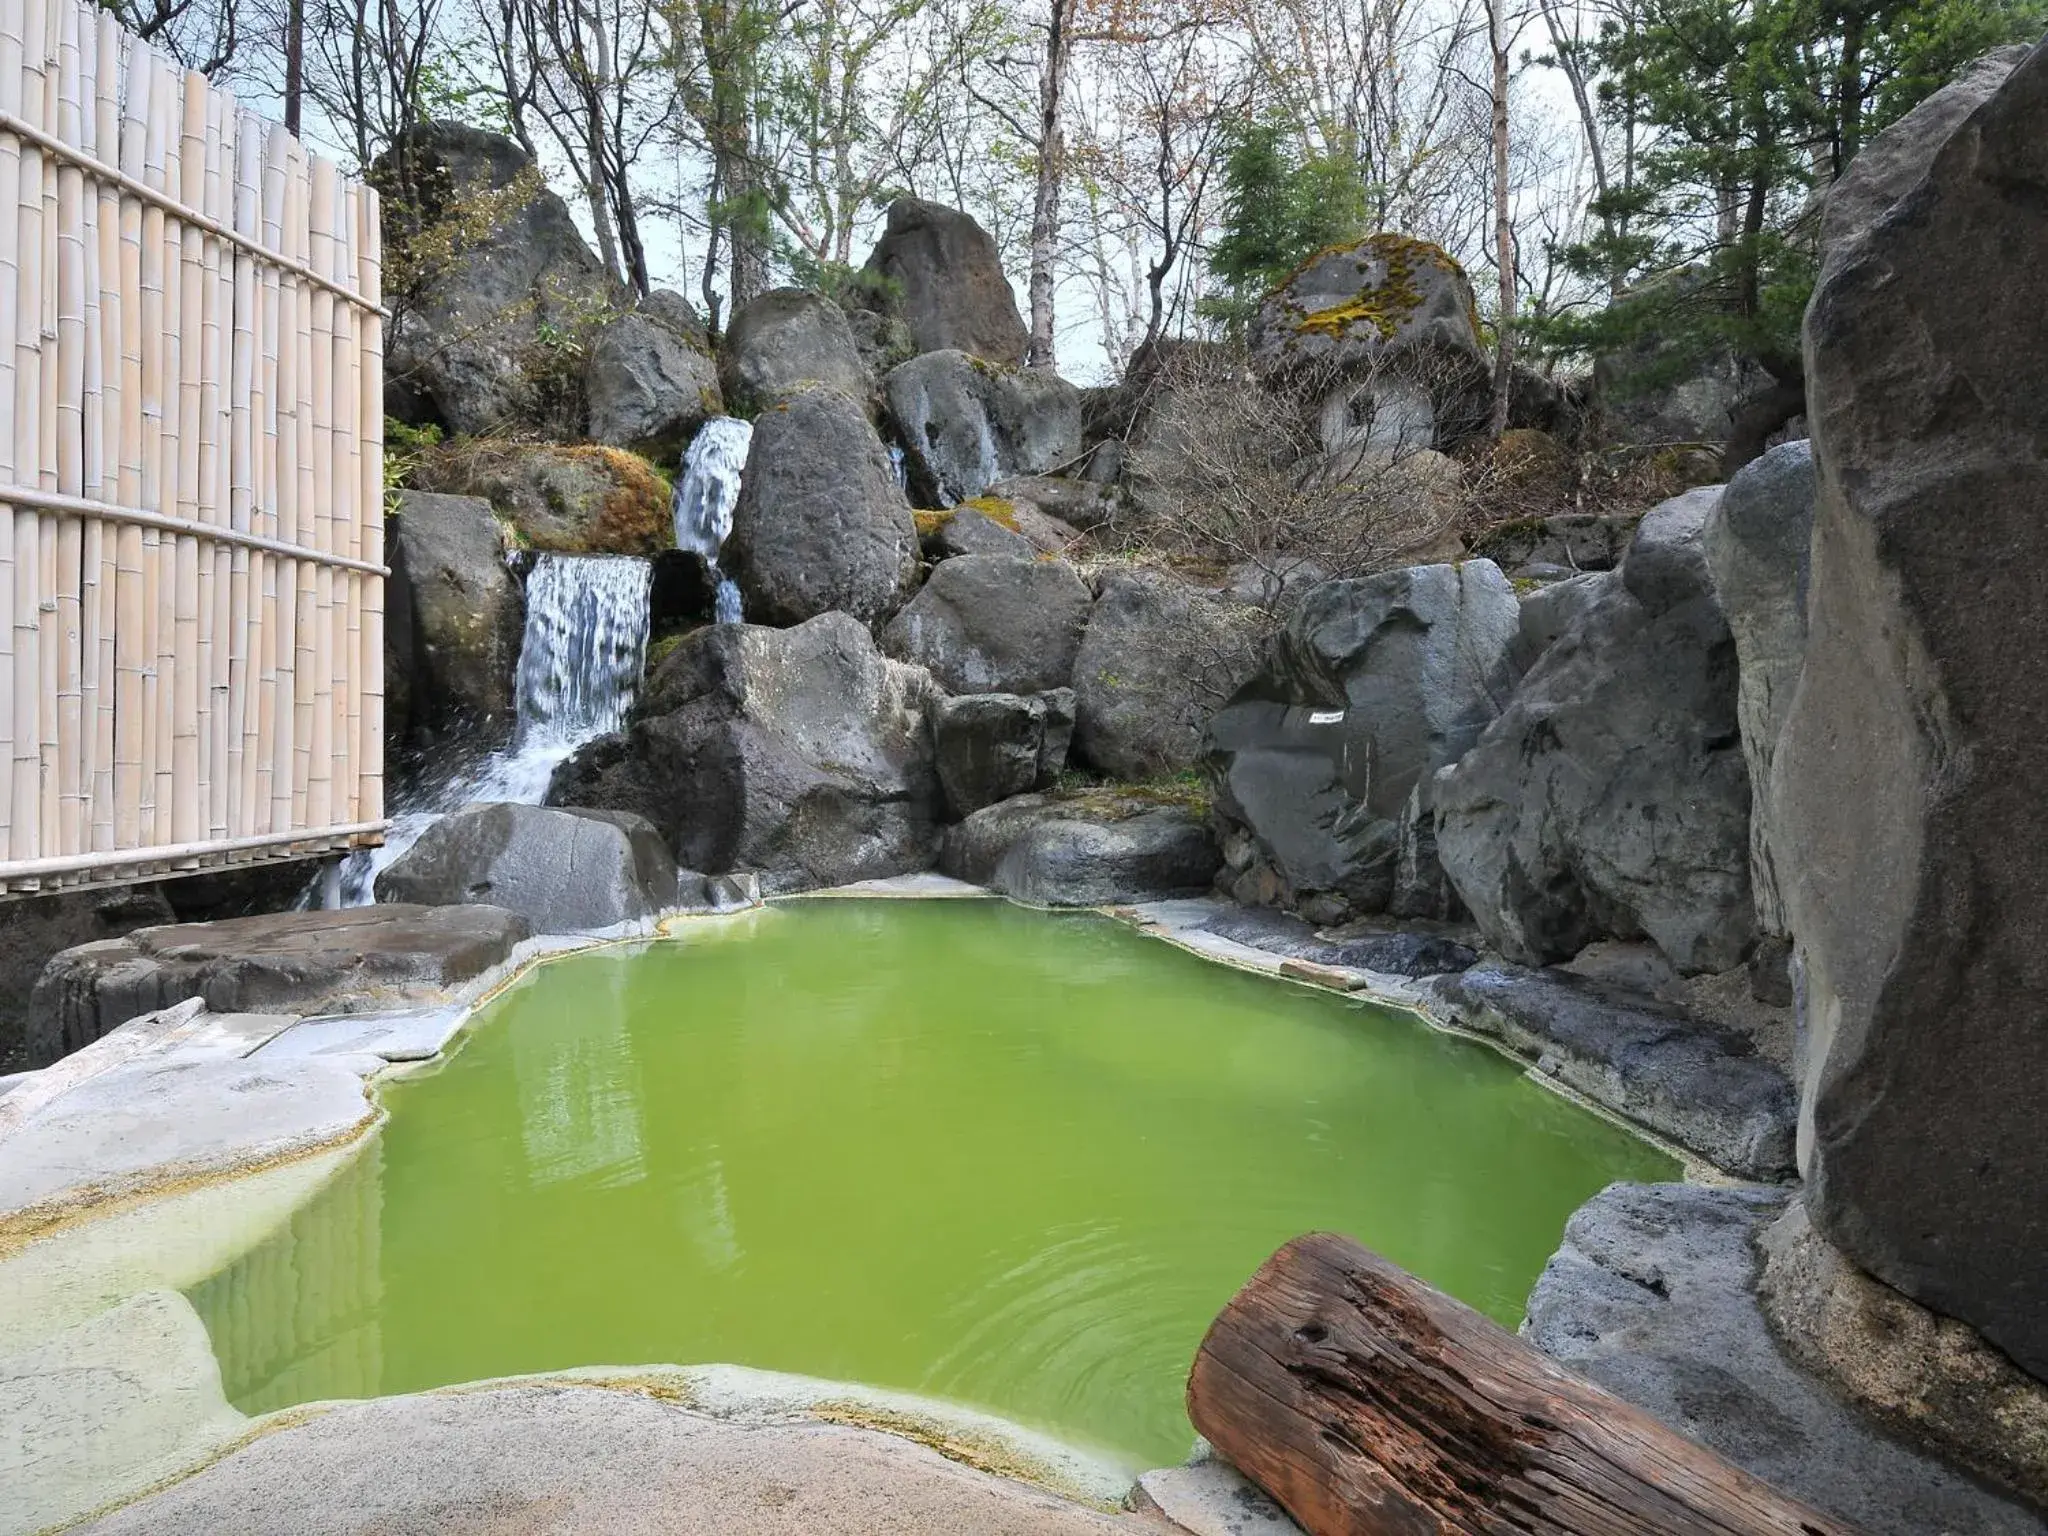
1012, 1159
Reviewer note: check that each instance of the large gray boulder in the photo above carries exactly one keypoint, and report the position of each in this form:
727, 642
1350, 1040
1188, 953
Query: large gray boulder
1083, 851
467, 612
1371, 686
990, 746
1652, 1295
994, 624
953, 293
1913, 857
564, 870
503, 271
1610, 799
966, 424
801, 753
349, 961
820, 523
1156, 659
787, 338
650, 379
1757, 539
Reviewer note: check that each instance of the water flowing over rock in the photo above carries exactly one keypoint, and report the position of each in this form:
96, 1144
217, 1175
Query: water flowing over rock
1610, 798
706, 493
785, 339
820, 523
954, 293
1369, 687
966, 424
1757, 539
1913, 855
799, 753
994, 624
579, 665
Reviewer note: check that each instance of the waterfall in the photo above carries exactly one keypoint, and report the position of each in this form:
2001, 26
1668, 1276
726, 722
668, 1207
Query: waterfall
579, 664
704, 499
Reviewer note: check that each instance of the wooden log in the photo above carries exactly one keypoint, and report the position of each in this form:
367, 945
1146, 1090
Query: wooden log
1370, 1404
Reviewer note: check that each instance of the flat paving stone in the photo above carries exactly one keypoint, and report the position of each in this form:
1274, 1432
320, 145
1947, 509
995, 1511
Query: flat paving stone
537, 1460
409, 1034
155, 1121
1652, 1295
1208, 1497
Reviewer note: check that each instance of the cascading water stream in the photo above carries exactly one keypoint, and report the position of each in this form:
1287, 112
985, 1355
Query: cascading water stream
579, 666
705, 496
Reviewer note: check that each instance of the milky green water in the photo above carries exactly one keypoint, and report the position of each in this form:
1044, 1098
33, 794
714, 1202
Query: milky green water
1008, 1158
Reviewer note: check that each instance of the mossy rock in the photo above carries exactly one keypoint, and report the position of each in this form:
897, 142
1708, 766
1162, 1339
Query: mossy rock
578, 499
1358, 304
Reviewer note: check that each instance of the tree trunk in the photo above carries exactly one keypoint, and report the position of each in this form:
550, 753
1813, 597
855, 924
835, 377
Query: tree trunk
1757, 417
1497, 42
1366, 1402
1045, 200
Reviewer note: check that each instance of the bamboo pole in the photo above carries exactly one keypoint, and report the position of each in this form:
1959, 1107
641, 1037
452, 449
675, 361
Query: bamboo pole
370, 658
320, 255
106, 420
134, 655
153, 80
69, 422
242, 425
184, 440
10, 267
24, 191
278, 486
216, 561
348, 525
49, 632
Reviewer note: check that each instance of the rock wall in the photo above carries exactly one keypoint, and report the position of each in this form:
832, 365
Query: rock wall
1907, 782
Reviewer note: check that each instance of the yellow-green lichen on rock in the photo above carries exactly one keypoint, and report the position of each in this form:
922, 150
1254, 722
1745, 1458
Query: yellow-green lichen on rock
579, 499
1358, 302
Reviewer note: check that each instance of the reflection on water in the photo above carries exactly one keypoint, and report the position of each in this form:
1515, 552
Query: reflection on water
296, 1318
957, 1148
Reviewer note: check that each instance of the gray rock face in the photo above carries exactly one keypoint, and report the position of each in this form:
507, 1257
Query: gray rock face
968, 532
1356, 307
994, 624
651, 382
1651, 1296
1369, 687
468, 614
563, 870
787, 338
1906, 784
801, 753
1655, 1063
820, 523
1394, 952
1084, 851
966, 424
1610, 799
990, 746
1155, 661
1757, 540
307, 962
955, 296
466, 345
33, 928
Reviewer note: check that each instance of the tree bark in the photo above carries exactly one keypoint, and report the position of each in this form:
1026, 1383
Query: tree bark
1497, 42
1045, 200
1366, 1403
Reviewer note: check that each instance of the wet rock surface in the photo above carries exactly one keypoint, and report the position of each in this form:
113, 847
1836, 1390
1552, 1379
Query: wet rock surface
466, 609
1656, 1063
966, 424
1651, 1296
1090, 850
990, 746
336, 962
562, 870
802, 754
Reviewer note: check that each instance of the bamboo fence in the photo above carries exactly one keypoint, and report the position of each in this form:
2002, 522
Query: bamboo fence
191, 477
